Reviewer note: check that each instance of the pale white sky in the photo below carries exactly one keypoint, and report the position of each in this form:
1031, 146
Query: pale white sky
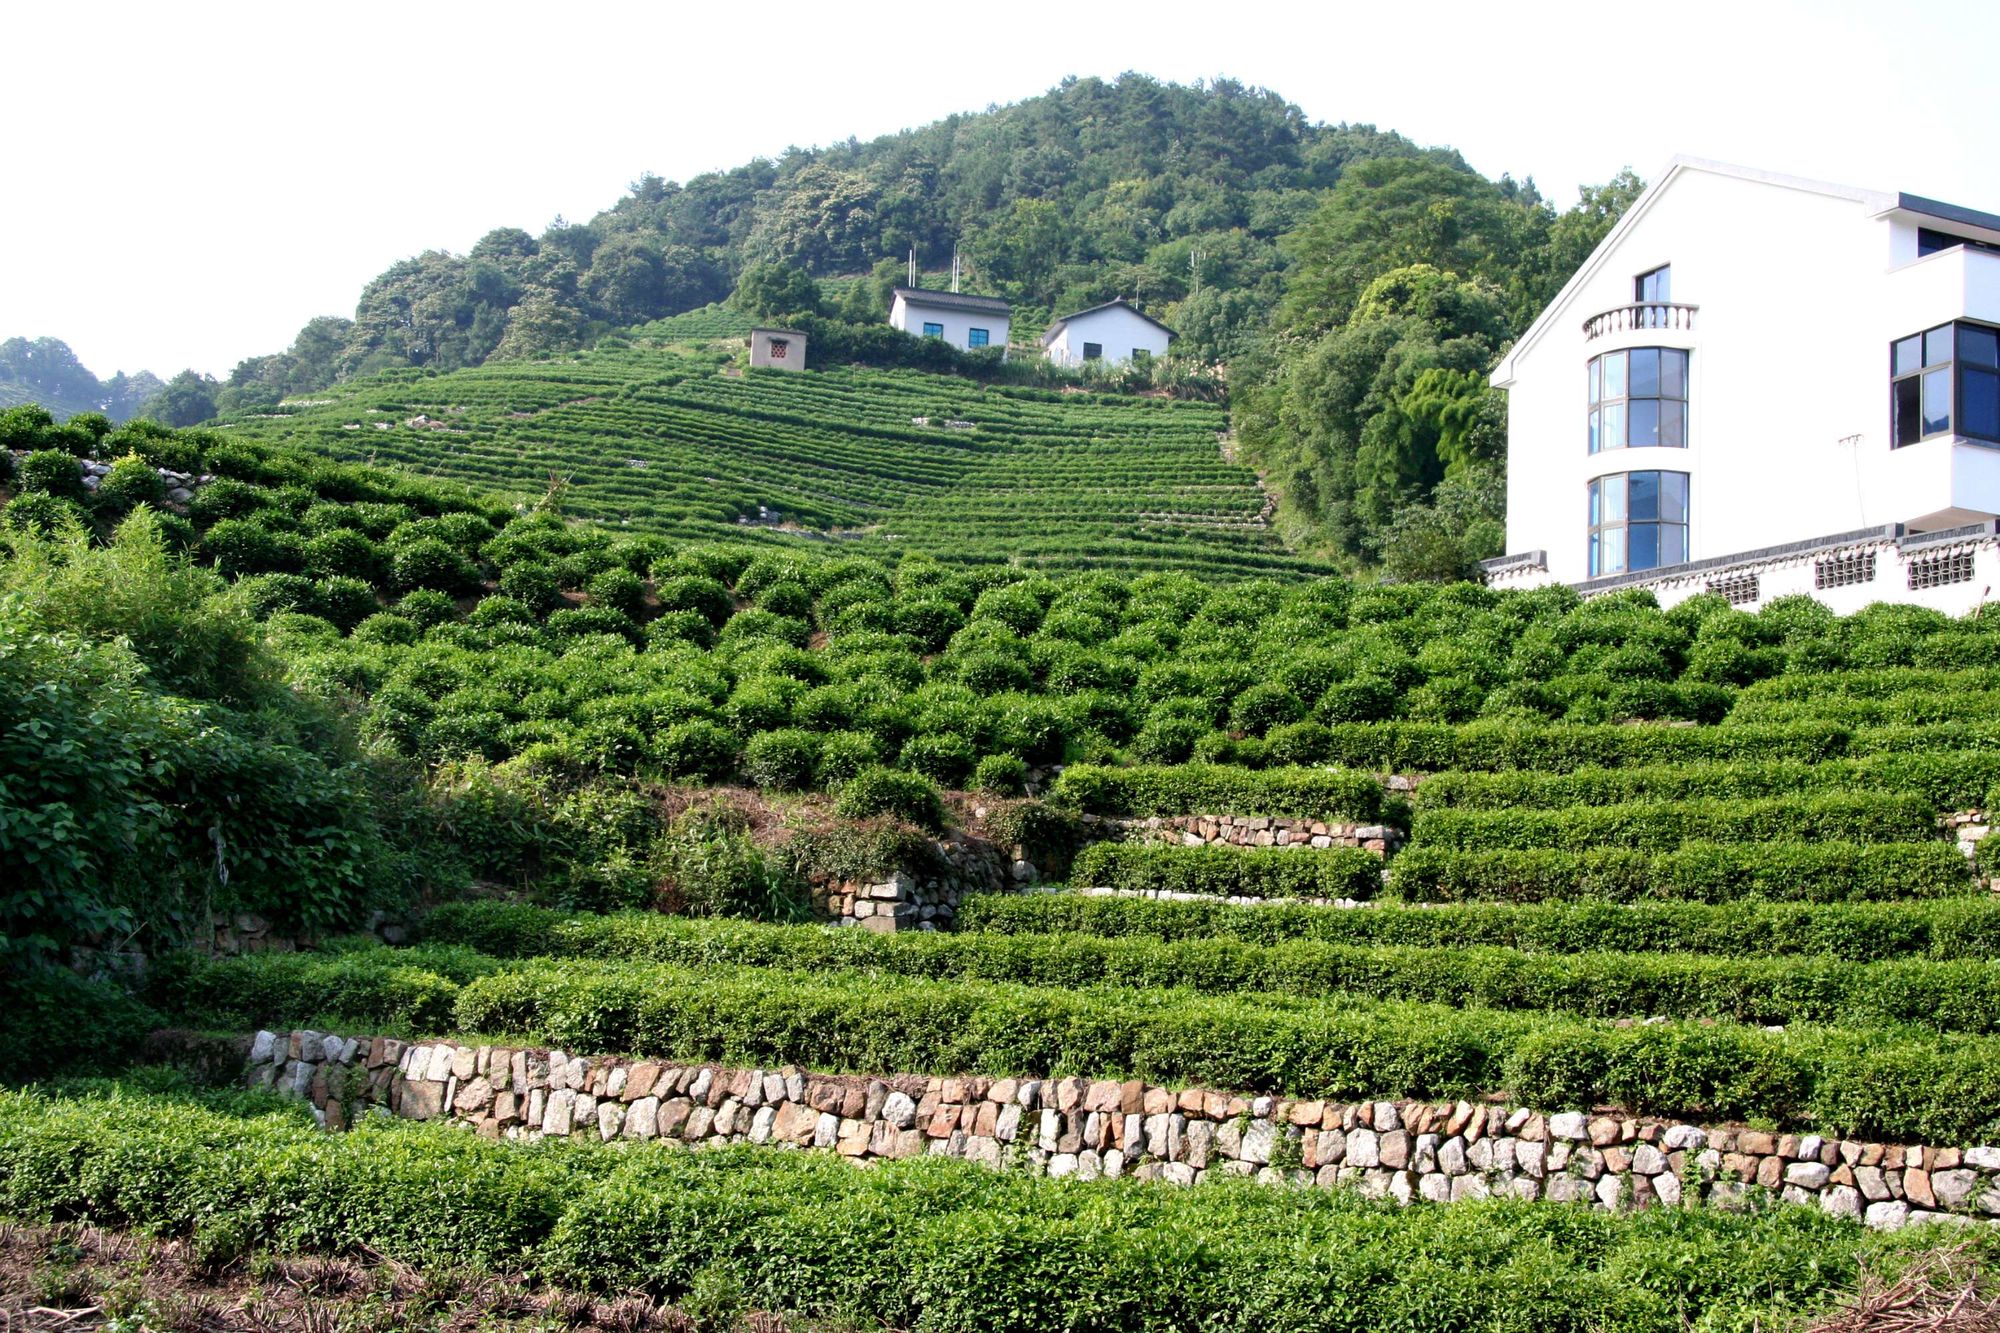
188, 183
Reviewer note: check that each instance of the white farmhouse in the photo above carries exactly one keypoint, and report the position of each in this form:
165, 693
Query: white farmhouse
1759, 385
968, 323
1115, 333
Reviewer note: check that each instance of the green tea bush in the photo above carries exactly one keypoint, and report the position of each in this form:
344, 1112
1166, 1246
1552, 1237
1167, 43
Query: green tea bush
1000, 775
1695, 872
131, 482
1659, 826
746, 1228
784, 760
1216, 789
1962, 927
885, 791
52, 472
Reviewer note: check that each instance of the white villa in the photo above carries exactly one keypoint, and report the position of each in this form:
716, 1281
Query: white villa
1115, 333
966, 322
1759, 385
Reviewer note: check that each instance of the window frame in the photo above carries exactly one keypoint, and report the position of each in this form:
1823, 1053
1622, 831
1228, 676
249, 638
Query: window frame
1958, 372
1598, 405
1599, 529
1093, 351
1664, 273
978, 338
933, 330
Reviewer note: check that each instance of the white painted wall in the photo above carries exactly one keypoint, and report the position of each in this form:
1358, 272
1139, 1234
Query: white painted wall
1119, 331
911, 316
1799, 294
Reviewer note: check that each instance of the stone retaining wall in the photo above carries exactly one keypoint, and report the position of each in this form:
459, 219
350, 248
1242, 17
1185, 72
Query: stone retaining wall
1247, 831
1407, 1151
925, 899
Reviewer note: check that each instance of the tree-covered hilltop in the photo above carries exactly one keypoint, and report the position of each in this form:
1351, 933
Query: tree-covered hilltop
1177, 197
46, 371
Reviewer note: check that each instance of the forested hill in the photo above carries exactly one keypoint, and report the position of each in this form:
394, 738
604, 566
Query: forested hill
1177, 197
46, 371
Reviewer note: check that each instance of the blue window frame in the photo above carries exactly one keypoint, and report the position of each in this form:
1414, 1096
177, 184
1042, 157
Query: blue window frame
975, 337
1638, 399
933, 330
1638, 520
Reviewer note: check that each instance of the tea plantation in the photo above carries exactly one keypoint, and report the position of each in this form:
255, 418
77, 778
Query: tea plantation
1261, 849
666, 435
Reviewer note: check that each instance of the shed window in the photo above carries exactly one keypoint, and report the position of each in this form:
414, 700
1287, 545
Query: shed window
933, 330
975, 337
1093, 351
778, 349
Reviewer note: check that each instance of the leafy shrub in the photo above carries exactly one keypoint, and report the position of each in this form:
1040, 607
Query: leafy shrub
431, 563
944, 758
52, 472
343, 602
1695, 872
619, 590
1214, 790
130, 483
1000, 775
885, 791
1656, 826
844, 755
785, 760
348, 554
429, 608
704, 596
696, 750
239, 546
42, 515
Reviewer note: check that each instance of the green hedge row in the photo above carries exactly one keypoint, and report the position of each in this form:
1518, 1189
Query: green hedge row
1891, 1084
1662, 826
1962, 996
1953, 781
1945, 928
952, 1247
1216, 789
1246, 872
1825, 872
1919, 707
1433, 747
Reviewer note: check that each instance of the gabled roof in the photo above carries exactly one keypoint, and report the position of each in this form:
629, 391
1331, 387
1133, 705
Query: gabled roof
1876, 201
983, 305
1055, 329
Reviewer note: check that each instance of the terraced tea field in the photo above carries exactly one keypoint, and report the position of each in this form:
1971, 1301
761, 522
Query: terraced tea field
660, 439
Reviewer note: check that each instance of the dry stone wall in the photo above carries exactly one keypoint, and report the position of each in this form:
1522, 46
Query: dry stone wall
925, 898
1245, 831
1402, 1150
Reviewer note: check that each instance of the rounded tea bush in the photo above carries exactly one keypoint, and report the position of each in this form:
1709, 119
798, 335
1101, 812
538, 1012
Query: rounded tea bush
1001, 775
888, 791
783, 760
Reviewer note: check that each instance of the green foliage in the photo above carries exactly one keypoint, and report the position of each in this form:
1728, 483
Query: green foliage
884, 791
1693, 871
747, 1228
1216, 789
1265, 872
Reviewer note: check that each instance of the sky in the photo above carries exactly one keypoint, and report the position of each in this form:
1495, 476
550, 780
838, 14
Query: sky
187, 184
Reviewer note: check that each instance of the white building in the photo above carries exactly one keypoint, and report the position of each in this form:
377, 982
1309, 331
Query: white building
1759, 385
1115, 332
777, 349
968, 323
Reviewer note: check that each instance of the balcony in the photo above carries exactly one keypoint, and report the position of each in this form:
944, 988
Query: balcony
1639, 316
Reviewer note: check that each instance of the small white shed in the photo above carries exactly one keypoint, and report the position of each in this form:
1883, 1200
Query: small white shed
968, 323
778, 349
1115, 332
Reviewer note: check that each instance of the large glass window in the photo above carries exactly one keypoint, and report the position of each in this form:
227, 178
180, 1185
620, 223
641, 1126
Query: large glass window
1945, 381
1655, 285
1638, 520
1638, 399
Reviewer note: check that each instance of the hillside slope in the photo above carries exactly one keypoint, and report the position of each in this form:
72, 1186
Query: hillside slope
666, 438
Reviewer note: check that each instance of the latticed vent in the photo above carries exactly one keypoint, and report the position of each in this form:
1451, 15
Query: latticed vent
1934, 571
1738, 588
1840, 571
